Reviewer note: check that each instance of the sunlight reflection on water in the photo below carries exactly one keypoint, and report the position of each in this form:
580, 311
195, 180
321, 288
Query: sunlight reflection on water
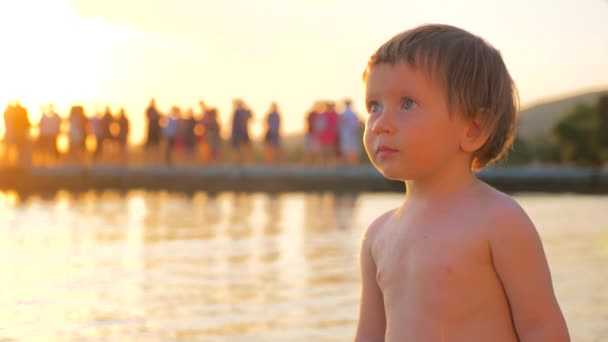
157, 266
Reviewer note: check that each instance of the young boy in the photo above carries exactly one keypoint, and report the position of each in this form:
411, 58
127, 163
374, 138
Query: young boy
458, 260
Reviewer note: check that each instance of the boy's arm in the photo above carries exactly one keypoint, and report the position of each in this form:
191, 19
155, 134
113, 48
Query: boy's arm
521, 265
372, 322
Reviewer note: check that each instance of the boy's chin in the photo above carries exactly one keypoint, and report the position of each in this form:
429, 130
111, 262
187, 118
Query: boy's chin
394, 171
395, 175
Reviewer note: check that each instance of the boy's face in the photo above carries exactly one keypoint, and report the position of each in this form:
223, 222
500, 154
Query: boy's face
409, 132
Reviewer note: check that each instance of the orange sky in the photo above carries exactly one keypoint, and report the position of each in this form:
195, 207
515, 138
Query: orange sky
122, 52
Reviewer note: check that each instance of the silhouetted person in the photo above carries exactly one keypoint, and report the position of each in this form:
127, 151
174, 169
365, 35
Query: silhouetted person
153, 137
107, 138
272, 138
17, 136
96, 128
240, 140
9, 129
312, 145
170, 131
77, 134
328, 134
50, 127
350, 135
22, 136
189, 133
211, 135
123, 136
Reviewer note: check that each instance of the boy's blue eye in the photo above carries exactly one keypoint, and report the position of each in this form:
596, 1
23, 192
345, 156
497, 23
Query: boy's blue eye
408, 104
374, 108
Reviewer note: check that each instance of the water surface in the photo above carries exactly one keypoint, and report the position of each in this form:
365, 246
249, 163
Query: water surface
157, 266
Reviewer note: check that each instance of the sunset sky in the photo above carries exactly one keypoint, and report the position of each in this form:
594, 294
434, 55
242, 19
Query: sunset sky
123, 52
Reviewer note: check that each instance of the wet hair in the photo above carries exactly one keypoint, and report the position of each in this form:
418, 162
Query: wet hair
472, 73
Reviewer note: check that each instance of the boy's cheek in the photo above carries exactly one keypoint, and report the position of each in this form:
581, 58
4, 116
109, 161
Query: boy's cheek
368, 143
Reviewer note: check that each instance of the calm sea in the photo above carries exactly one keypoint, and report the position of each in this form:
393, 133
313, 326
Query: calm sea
157, 266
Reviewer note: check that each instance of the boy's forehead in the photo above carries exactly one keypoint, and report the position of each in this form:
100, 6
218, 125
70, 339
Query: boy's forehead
399, 77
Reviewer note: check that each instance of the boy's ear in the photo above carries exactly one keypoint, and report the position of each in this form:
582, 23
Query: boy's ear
476, 133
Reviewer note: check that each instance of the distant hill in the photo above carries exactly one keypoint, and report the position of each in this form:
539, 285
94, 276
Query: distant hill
539, 119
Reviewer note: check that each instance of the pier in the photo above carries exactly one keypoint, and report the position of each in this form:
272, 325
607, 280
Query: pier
278, 179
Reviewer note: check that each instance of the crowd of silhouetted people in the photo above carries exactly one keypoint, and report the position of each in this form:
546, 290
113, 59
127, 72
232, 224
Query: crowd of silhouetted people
109, 135
179, 136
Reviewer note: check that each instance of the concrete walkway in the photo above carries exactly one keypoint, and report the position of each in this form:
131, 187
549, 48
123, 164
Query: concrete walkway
278, 179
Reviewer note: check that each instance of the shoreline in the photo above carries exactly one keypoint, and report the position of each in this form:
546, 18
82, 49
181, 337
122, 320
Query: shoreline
288, 178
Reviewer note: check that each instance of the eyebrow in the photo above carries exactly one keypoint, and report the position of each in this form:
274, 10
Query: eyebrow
401, 93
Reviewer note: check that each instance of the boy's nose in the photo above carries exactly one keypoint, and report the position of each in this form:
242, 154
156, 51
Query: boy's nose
383, 123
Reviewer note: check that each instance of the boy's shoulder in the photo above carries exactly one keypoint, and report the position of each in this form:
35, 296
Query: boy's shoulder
375, 227
502, 214
497, 201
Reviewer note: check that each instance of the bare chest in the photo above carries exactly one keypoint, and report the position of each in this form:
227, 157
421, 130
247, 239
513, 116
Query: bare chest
423, 259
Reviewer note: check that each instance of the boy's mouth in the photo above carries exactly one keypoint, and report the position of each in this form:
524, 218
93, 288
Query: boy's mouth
384, 151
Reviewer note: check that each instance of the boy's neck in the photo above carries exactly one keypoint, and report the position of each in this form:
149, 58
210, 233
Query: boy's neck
446, 183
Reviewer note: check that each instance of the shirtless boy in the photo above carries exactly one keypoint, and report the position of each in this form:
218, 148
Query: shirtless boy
458, 260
